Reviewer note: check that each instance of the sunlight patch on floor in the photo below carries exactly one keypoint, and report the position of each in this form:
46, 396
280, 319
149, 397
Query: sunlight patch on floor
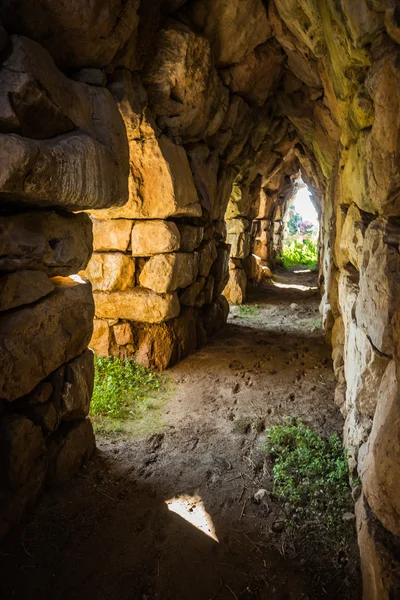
302, 288
192, 509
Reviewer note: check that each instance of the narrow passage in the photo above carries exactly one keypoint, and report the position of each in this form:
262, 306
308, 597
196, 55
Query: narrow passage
142, 522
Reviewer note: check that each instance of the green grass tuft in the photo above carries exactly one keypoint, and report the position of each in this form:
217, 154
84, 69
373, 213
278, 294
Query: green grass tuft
121, 387
310, 475
247, 310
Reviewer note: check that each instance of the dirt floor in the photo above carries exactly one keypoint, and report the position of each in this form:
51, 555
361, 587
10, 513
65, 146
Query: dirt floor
142, 521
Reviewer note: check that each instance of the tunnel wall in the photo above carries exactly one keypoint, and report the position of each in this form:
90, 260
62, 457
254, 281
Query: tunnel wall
153, 118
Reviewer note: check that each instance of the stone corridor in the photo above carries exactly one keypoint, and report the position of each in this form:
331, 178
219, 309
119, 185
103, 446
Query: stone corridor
149, 151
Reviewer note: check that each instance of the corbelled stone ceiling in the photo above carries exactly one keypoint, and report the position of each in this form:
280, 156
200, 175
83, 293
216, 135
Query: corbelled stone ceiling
166, 137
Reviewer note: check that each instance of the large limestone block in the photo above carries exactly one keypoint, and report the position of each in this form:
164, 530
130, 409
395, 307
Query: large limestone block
256, 77
351, 238
207, 255
382, 150
21, 444
45, 241
378, 562
183, 86
101, 337
224, 190
111, 235
236, 226
23, 287
139, 304
205, 165
78, 157
154, 237
235, 290
189, 295
76, 35
36, 340
239, 202
220, 270
191, 237
78, 387
234, 28
364, 368
168, 272
110, 271
380, 470
379, 284
72, 446
240, 244
235, 130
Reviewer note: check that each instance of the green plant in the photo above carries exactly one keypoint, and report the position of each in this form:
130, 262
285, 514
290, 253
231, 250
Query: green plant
120, 387
247, 310
294, 221
297, 252
310, 475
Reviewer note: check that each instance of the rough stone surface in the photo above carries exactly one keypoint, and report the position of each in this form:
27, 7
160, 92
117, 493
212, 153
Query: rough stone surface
101, 337
111, 235
234, 28
154, 237
37, 339
235, 290
191, 237
168, 272
110, 271
73, 446
78, 387
139, 304
183, 82
23, 287
84, 163
45, 241
76, 35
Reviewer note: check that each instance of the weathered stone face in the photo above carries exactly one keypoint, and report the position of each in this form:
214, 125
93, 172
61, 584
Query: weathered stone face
168, 272
140, 304
45, 241
37, 339
154, 237
49, 172
110, 271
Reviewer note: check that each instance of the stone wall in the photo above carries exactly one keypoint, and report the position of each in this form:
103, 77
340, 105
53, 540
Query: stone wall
160, 120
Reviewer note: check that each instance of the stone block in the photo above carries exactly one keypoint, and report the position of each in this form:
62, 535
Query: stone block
183, 86
191, 237
240, 244
236, 226
379, 285
78, 387
110, 271
239, 202
207, 256
73, 446
160, 183
168, 272
35, 340
234, 28
21, 445
220, 270
23, 287
113, 234
364, 368
351, 239
235, 290
189, 294
45, 241
154, 237
76, 35
123, 334
140, 304
69, 148
101, 337
204, 165
380, 470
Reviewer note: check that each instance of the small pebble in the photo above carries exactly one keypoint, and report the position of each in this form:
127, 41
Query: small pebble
348, 517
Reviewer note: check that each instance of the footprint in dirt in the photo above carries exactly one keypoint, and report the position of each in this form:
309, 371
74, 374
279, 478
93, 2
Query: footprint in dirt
154, 442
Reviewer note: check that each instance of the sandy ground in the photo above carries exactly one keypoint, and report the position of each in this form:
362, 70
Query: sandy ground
142, 521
